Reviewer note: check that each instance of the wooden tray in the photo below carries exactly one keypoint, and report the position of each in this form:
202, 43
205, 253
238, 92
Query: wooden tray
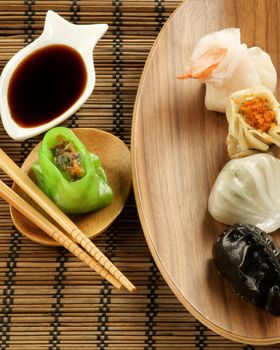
178, 149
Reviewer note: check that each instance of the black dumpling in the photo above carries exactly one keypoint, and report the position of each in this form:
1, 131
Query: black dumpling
246, 257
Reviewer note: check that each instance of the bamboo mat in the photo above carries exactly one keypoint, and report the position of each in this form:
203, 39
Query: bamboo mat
49, 300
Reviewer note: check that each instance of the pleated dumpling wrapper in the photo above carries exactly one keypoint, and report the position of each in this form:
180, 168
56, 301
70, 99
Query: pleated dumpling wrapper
70, 174
254, 121
225, 65
247, 191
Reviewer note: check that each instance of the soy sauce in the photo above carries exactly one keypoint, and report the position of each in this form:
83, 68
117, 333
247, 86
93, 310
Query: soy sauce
46, 84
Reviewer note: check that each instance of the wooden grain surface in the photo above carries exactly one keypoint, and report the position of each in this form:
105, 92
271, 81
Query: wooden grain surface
48, 299
178, 149
114, 156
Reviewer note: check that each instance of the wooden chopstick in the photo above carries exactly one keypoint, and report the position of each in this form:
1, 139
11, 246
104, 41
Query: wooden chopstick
38, 219
23, 181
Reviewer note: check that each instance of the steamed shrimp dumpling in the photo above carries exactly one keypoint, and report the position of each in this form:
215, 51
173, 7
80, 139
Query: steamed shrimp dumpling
225, 65
216, 56
264, 67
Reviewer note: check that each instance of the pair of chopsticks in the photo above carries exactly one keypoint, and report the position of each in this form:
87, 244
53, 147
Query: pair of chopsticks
92, 256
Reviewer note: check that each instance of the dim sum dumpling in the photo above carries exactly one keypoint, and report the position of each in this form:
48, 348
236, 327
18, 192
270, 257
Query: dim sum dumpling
264, 67
247, 191
254, 121
225, 65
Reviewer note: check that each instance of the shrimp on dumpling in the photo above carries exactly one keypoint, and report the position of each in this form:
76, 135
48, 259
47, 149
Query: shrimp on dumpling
254, 121
225, 65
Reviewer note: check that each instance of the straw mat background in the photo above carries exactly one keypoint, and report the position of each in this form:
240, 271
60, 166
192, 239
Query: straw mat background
48, 299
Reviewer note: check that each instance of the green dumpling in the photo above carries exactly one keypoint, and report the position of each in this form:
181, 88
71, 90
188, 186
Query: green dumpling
69, 174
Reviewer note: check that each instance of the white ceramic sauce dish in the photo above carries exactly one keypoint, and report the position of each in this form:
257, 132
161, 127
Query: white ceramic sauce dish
57, 31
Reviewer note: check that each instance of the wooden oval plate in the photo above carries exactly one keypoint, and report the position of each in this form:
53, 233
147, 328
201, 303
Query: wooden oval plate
115, 159
178, 148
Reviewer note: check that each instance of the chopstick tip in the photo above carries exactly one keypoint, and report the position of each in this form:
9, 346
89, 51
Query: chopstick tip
133, 290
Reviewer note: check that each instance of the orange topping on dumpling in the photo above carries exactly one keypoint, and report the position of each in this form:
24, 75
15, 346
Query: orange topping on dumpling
205, 64
258, 114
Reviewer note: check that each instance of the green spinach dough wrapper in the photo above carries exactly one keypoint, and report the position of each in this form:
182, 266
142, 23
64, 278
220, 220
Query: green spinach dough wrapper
90, 192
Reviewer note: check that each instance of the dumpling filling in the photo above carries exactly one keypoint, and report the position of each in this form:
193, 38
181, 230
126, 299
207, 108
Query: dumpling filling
258, 114
68, 160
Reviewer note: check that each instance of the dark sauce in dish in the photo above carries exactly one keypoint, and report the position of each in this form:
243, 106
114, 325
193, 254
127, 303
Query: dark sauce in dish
46, 84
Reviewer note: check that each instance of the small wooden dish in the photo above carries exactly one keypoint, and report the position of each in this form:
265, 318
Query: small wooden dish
178, 149
115, 159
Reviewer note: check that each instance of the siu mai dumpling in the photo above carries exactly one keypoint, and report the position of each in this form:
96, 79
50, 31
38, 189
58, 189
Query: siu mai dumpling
254, 121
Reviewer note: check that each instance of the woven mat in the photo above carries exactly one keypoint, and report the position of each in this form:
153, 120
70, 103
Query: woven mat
49, 300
